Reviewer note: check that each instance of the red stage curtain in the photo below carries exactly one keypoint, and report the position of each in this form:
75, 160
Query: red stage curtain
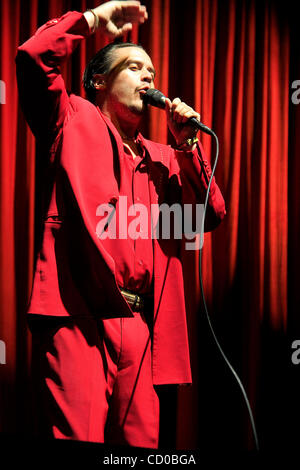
234, 61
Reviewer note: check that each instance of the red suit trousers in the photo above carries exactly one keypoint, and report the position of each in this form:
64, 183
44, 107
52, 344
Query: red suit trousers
93, 380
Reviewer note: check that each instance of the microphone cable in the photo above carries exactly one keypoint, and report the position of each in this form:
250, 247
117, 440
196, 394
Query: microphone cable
209, 131
157, 98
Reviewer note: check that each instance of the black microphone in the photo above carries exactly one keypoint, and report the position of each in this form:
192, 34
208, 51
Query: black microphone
157, 98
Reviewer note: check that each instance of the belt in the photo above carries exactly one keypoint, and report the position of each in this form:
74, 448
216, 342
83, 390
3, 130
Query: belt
138, 303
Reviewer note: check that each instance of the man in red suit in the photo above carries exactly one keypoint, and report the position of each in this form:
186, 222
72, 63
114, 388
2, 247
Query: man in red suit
107, 309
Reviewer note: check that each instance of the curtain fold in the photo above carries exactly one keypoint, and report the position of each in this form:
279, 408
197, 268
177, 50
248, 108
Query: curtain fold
234, 61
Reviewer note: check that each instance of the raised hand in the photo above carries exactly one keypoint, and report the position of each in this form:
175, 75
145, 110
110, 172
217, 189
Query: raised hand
117, 18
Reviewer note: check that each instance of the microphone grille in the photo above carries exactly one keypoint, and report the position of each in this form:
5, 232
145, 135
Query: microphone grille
154, 98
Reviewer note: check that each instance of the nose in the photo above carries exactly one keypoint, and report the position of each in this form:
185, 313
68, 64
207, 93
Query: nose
146, 76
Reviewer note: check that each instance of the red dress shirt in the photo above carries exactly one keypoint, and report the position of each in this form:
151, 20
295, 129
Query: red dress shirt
133, 257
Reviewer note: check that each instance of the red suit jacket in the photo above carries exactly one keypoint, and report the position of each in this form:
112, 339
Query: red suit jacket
81, 155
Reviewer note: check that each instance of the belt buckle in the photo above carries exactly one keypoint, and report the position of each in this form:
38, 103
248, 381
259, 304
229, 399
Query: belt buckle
138, 303
134, 300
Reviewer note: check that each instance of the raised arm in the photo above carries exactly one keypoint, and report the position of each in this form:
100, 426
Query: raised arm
41, 87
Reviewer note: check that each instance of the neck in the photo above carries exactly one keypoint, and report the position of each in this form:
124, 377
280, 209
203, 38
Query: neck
127, 132
127, 125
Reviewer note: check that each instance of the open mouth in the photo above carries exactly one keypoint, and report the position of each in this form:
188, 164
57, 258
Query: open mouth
142, 92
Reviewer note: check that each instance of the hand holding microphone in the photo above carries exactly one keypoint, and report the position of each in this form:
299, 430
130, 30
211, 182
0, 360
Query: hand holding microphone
183, 121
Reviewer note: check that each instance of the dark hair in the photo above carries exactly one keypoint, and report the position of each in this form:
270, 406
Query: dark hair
101, 63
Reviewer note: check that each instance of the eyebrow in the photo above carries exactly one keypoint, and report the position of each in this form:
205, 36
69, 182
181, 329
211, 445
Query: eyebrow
139, 62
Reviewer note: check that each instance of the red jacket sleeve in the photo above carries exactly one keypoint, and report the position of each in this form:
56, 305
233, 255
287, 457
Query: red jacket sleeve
42, 91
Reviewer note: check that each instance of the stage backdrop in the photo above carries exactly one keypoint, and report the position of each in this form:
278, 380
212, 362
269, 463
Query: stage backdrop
237, 63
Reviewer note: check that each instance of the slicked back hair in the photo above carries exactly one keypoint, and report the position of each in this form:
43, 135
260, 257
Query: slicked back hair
101, 64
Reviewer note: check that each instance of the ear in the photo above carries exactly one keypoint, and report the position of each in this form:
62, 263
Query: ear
99, 81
